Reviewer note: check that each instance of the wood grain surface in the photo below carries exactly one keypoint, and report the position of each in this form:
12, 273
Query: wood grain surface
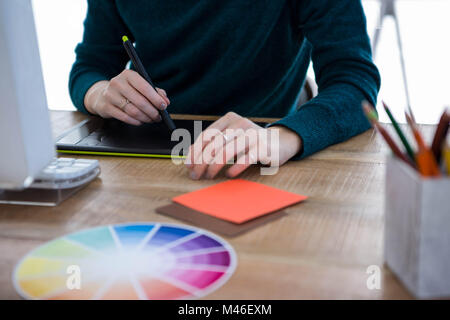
321, 249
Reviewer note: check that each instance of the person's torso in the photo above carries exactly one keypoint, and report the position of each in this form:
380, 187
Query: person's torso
217, 56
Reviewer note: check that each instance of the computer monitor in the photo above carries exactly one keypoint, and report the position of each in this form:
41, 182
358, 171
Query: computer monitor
26, 143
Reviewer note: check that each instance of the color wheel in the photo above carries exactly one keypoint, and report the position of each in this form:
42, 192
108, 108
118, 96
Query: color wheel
128, 261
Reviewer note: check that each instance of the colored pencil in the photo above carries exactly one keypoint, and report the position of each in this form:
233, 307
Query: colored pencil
425, 160
447, 158
440, 135
399, 131
373, 118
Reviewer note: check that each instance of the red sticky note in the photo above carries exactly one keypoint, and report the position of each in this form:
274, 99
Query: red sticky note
238, 200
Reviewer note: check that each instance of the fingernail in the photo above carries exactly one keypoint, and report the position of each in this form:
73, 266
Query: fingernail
163, 106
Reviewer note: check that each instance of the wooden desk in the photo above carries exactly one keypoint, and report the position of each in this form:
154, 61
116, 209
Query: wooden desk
320, 250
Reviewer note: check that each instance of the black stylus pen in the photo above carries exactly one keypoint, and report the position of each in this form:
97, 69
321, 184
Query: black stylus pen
141, 70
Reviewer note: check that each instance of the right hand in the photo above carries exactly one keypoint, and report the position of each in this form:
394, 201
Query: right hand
128, 98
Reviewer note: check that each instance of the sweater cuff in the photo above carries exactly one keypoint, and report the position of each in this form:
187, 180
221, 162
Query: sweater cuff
82, 84
313, 123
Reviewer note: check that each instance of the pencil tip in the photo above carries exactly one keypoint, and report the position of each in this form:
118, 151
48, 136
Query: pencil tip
408, 118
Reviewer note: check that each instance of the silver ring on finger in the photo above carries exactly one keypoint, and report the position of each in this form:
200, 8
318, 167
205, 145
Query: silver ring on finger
127, 102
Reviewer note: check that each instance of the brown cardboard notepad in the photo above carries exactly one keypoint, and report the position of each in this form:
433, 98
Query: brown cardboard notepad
213, 224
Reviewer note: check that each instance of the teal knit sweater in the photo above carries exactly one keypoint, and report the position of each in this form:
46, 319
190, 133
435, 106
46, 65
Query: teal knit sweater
246, 56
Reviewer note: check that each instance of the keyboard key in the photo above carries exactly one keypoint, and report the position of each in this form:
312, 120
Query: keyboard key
67, 169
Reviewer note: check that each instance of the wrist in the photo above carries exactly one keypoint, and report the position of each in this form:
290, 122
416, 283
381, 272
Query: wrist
93, 94
291, 144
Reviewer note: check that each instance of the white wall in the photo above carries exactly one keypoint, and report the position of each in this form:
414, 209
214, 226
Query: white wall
424, 26
59, 26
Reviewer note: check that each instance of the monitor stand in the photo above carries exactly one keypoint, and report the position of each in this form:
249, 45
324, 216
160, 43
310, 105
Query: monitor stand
37, 197
49, 193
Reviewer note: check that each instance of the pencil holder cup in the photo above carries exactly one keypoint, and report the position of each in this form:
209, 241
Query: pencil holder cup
417, 230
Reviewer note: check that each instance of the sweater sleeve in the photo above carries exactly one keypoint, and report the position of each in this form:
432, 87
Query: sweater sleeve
100, 55
344, 70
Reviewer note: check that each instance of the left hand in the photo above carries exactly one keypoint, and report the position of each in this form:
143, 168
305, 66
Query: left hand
218, 145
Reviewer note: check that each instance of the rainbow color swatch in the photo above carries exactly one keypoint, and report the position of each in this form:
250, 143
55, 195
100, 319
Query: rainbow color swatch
128, 261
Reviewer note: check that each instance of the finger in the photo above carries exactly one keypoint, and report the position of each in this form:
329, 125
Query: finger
243, 162
213, 153
197, 148
118, 114
239, 146
222, 138
119, 101
135, 113
206, 157
135, 97
142, 86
